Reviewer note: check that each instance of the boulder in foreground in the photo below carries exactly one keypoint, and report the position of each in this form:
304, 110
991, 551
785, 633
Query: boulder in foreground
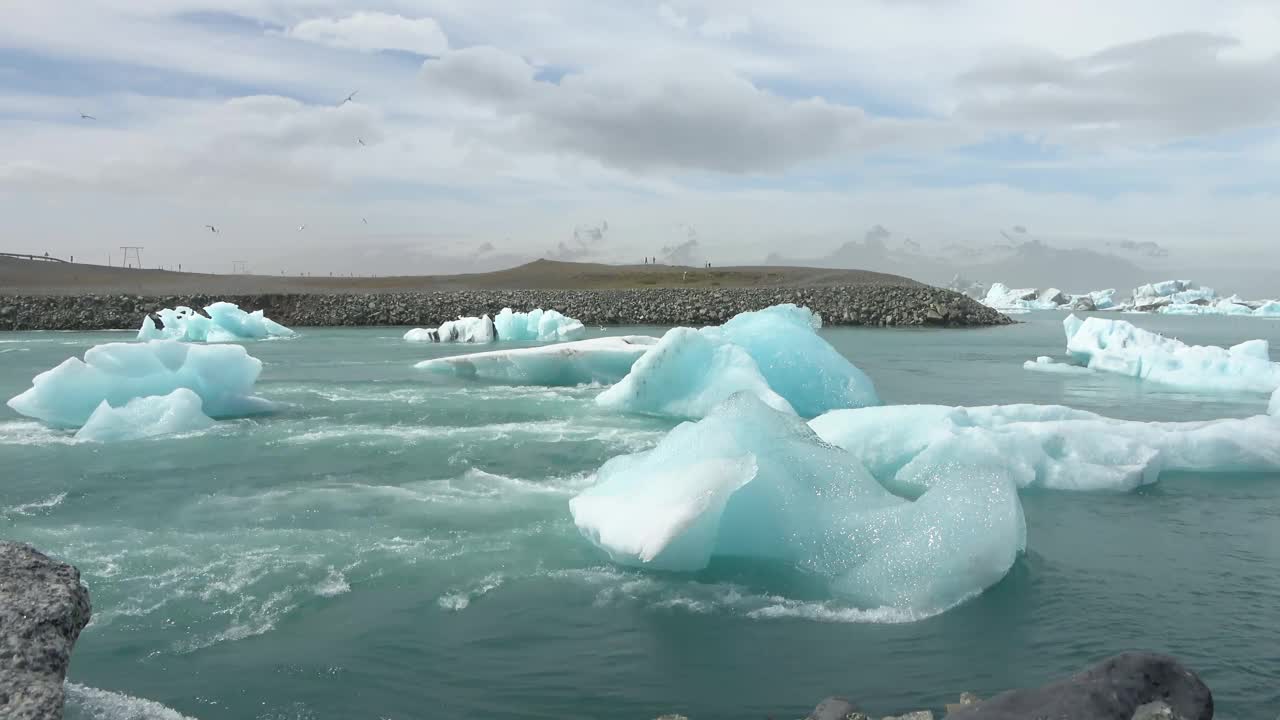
43, 608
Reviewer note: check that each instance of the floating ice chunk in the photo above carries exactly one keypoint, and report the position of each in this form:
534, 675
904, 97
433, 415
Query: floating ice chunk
598, 360
1273, 408
775, 353
687, 374
226, 322
178, 412
909, 446
1119, 347
1002, 297
67, 395
749, 481
537, 326
1046, 364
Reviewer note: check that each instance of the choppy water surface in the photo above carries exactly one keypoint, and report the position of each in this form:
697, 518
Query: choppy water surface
398, 546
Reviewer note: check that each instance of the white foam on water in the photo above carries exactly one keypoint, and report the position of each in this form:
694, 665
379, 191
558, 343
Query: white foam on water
462, 599
620, 588
36, 506
26, 432
539, 430
89, 703
334, 584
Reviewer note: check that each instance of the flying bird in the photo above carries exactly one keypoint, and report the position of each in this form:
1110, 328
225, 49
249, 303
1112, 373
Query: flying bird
87, 117
212, 229
301, 228
364, 220
348, 99
361, 141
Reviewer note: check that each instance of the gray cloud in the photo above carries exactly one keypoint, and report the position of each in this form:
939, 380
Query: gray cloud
1167, 87
586, 241
690, 116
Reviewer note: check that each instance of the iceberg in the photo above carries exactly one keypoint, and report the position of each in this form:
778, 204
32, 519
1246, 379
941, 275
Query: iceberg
535, 326
1002, 297
225, 322
598, 360
775, 354
67, 395
1119, 347
180, 411
909, 447
1046, 364
749, 481
462, 330
1273, 407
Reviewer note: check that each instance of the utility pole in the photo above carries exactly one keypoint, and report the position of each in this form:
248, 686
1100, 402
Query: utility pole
136, 251
239, 267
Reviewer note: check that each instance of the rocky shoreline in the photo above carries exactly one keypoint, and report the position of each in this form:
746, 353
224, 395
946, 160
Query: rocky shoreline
864, 305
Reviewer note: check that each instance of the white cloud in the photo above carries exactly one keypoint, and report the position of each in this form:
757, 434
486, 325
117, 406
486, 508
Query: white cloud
370, 31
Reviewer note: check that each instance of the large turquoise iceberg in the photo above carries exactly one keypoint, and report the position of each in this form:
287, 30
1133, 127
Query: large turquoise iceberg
223, 376
749, 481
226, 322
775, 354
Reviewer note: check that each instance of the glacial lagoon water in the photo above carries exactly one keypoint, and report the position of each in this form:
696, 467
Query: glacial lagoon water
397, 545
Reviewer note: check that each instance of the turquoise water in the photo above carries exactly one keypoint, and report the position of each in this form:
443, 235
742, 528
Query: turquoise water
399, 546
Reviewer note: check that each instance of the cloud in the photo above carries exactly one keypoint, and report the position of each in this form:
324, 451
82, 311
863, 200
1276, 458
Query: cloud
370, 31
587, 240
1163, 88
675, 116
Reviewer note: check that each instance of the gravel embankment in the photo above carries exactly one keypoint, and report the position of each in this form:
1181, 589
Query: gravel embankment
867, 305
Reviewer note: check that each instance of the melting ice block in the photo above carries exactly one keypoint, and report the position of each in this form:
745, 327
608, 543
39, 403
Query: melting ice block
598, 360
226, 322
67, 395
750, 481
776, 354
909, 447
535, 326
1119, 347
178, 412
1046, 364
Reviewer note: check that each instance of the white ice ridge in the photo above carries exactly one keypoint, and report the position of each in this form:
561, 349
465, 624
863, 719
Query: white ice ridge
178, 412
1117, 346
1045, 364
911, 447
226, 322
598, 360
1171, 297
749, 481
67, 395
775, 354
535, 326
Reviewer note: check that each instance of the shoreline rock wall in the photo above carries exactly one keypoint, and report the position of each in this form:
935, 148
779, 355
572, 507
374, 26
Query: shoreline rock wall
43, 608
875, 306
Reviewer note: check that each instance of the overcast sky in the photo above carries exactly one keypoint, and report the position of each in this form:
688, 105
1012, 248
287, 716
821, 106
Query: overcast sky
524, 127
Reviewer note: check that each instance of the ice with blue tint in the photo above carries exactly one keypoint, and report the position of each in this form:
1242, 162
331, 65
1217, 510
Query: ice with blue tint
225, 322
1046, 364
776, 354
462, 330
1006, 299
1273, 407
222, 375
1117, 346
751, 482
508, 326
181, 411
602, 360
908, 447
537, 326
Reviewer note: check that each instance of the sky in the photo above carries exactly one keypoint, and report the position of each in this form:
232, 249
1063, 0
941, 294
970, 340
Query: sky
480, 133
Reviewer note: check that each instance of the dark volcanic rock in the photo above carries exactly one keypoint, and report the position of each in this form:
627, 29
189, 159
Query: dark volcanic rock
1114, 689
43, 608
874, 305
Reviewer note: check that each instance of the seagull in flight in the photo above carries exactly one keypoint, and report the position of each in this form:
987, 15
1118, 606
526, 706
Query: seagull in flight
212, 229
361, 141
364, 220
348, 99
87, 117
301, 228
